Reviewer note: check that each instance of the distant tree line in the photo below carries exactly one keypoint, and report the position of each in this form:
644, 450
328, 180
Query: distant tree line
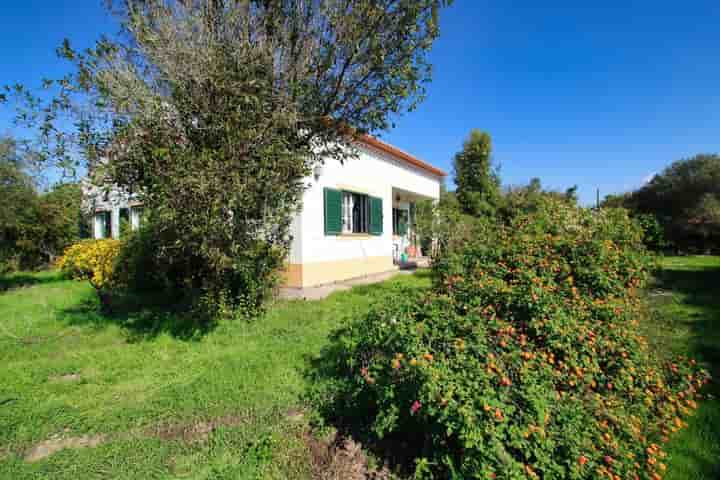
35, 225
680, 207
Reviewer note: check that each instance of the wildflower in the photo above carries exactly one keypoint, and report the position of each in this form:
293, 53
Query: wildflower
415, 407
582, 460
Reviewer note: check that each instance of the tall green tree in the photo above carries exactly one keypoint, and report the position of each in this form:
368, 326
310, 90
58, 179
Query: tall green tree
684, 198
35, 226
478, 185
19, 210
214, 111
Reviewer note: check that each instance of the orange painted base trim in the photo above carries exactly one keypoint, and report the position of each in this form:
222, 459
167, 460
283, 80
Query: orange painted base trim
298, 275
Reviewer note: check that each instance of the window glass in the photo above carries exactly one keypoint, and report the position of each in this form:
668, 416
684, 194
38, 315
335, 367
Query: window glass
400, 221
355, 213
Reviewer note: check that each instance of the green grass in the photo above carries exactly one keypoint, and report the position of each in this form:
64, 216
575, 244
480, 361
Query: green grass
143, 382
685, 320
142, 387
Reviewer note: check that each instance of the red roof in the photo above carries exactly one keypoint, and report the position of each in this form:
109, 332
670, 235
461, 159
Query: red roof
399, 154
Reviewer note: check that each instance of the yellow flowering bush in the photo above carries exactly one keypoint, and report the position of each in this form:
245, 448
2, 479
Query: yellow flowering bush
92, 260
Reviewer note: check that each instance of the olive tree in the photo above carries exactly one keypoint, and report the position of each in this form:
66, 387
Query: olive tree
214, 111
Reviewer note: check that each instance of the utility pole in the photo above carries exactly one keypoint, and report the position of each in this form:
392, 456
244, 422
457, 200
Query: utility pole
597, 199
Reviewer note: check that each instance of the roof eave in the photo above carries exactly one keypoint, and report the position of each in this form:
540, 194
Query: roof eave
397, 153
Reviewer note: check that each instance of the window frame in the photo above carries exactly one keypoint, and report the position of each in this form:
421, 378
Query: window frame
397, 220
355, 213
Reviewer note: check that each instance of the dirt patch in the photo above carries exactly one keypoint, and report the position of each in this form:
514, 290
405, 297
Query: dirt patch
68, 377
48, 447
191, 433
295, 415
661, 293
194, 432
341, 458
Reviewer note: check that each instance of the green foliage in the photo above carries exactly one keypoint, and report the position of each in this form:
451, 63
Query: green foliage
444, 223
34, 226
526, 199
524, 361
478, 186
18, 215
653, 234
214, 112
685, 199
616, 201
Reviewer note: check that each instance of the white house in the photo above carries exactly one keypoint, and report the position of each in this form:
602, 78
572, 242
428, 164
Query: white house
355, 219
356, 216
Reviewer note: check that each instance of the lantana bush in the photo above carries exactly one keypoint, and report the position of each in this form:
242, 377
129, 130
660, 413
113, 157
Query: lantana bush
524, 360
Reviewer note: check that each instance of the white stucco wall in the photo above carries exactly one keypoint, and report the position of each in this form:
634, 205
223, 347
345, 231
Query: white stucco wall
374, 173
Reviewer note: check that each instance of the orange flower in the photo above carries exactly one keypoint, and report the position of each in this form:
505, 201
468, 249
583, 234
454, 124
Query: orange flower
428, 357
582, 460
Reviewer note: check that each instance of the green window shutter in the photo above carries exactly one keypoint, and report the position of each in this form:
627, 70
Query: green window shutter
376, 216
333, 211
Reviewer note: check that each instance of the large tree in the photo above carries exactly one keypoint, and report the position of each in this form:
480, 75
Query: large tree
214, 111
478, 185
35, 226
685, 199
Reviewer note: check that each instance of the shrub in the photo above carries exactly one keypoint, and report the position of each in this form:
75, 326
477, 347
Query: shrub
246, 281
95, 261
653, 235
524, 360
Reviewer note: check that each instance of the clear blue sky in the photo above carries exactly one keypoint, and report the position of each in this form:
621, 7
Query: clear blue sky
596, 96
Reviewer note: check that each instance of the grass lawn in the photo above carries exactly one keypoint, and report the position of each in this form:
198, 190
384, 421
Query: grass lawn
229, 403
685, 320
222, 405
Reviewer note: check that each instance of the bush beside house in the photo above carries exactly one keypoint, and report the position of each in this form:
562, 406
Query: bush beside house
524, 361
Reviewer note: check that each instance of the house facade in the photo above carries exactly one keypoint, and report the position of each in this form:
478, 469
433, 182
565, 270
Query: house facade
356, 217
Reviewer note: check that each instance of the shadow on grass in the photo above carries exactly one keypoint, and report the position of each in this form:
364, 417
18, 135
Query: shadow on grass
700, 288
690, 325
26, 279
143, 316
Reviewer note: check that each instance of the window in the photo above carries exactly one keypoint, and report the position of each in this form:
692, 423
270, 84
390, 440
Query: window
124, 222
103, 221
136, 217
355, 213
349, 212
400, 221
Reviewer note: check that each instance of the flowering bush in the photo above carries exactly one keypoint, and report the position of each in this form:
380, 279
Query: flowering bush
95, 261
524, 361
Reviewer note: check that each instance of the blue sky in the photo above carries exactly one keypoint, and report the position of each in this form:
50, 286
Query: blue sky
599, 96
